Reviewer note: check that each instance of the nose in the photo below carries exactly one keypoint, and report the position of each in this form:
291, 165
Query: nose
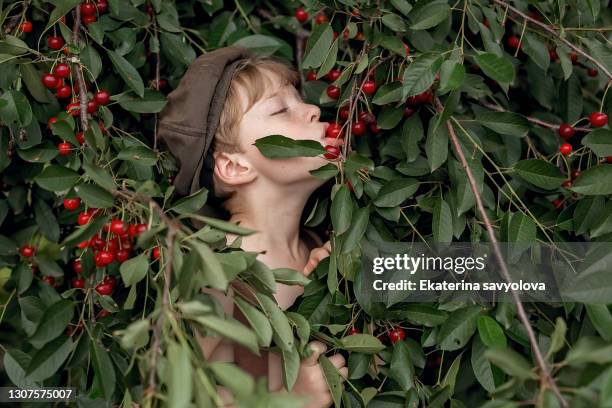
313, 113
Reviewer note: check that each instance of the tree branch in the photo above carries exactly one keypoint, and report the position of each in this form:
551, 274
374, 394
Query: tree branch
79, 72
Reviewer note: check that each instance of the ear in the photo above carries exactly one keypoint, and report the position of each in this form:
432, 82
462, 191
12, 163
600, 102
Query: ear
233, 169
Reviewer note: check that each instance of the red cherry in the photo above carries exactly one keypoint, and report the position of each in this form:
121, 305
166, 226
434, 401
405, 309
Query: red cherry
64, 148
311, 76
333, 74
104, 258
335, 35
397, 334
118, 227
514, 41
110, 279
349, 185
102, 97
27, 251
566, 131
76, 266
80, 137
321, 18
49, 280
88, 9
55, 42
574, 57
63, 92
486, 23
565, 149
73, 109
87, 20
334, 130
366, 117
557, 202
552, 54
104, 289
51, 121
598, 119
50, 81
156, 253
574, 174
92, 106
566, 184
374, 127
344, 112
102, 6
72, 204
26, 27
333, 91
97, 242
104, 313
113, 244
83, 218
333, 152
83, 244
301, 15
62, 70
78, 283
408, 111
425, 97
407, 48
353, 330
358, 128
369, 87
592, 72
122, 255
102, 127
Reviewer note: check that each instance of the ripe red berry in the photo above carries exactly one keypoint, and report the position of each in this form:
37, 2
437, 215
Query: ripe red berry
156, 253
50, 81
566, 130
27, 251
55, 42
592, 72
118, 227
49, 280
513, 41
102, 97
574, 174
409, 111
566, 184
565, 149
366, 117
26, 26
87, 20
110, 279
552, 54
486, 23
103, 258
62, 70
333, 91
76, 266
83, 244
333, 152
122, 255
369, 87
425, 97
557, 202
334, 130
104, 313
353, 330
80, 137
321, 18
138, 229
73, 109
344, 112
92, 106
374, 127
102, 6
64, 148
78, 283
97, 242
407, 48
72, 204
358, 128
88, 9
574, 57
397, 334
63, 92
333, 74
311, 75
51, 121
301, 15
104, 289
83, 218
345, 34
598, 119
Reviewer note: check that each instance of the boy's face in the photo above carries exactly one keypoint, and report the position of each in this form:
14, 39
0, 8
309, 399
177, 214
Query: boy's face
281, 111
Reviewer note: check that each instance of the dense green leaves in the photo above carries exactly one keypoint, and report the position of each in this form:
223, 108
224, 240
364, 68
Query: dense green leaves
539, 173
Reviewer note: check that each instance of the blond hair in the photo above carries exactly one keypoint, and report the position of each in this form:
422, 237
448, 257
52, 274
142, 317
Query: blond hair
250, 75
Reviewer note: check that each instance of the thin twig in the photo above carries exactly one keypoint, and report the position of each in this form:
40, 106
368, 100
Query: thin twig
79, 73
157, 75
546, 376
552, 31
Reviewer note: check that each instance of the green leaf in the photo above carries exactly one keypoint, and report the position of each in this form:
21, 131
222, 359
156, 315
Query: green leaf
510, 362
100, 176
61, 8
596, 180
260, 44
458, 328
427, 14
134, 270
396, 191
540, 173
452, 75
179, 375
16, 110
136, 335
401, 369
506, 123
235, 379
290, 276
557, 339
86, 231
191, 203
47, 361
53, 323
601, 318
258, 321
483, 371
291, 367
537, 50
589, 349
599, 141
103, 369
359, 225
178, 50
152, 102
56, 178
46, 221
332, 378
317, 46
210, 267
94, 196
282, 333
127, 72
231, 329
420, 75
442, 223
39, 154
394, 22
490, 332
361, 343
436, 145
341, 210
139, 155
422, 314
497, 68
31, 77
277, 146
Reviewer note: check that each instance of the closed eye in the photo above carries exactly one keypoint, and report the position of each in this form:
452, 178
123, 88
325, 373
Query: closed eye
280, 111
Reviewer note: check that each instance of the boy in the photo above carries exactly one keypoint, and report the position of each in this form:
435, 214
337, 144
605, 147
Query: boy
227, 100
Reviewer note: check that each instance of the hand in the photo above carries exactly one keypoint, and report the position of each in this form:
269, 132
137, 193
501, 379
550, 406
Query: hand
316, 256
311, 380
